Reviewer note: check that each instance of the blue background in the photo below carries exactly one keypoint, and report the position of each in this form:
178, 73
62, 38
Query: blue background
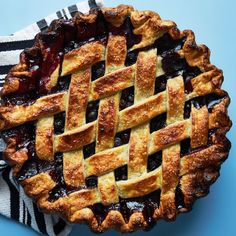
213, 22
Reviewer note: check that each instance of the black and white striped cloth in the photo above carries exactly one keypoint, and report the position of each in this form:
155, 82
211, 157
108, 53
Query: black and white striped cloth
13, 201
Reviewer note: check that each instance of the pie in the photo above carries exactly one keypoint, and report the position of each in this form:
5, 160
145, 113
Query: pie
115, 118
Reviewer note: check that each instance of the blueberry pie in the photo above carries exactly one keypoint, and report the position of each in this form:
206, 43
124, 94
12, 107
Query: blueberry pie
115, 118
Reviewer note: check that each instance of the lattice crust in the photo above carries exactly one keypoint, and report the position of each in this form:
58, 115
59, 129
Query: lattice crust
193, 172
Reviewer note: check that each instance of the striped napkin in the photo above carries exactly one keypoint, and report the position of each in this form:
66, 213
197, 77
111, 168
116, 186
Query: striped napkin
13, 201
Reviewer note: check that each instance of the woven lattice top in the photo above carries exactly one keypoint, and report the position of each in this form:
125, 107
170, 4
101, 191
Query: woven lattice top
173, 120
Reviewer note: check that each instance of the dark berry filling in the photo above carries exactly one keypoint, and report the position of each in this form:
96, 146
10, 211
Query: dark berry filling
188, 74
127, 207
100, 211
212, 100
23, 135
121, 173
167, 44
187, 109
29, 169
21, 99
27, 93
154, 161
63, 84
32, 167
122, 138
89, 150
98, 70
35, 166
126, 29
185, 147
57, 169
209, 100
160, 84
91, 181
186, 144
85, 31
173, 65
92, 31
61, 190
158, 122
179, 198
28, 84
70, 45
131, 57
92, 111
59, 122
127, 98
57, 192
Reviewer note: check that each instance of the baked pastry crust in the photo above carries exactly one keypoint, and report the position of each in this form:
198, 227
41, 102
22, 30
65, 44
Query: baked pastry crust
181, 178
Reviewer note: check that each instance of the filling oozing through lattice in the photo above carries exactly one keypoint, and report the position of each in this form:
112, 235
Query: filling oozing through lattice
121, 173
154, 161
74, 37
127, 207
89, 150
127, 98
63, 84
157, 123
59, 123
122, 138
92, 111
98, 70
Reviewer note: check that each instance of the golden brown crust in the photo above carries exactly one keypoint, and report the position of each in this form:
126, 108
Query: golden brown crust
75, 139
171, 154
38, 185
171, 134
82, 57
112, 83
116, 53
151, 30
142, 112
11, 116
200, 126
197, 170
117, 15
73, 168
44, 138
140, 186
107, 120
107, 189
77, 99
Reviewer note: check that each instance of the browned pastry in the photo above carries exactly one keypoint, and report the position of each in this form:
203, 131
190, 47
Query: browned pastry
115, 118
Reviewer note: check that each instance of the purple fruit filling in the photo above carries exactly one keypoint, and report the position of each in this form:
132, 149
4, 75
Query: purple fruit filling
154, 161
89, 150
158, 122
98, 70
92, 111
127, 98
122, 138
121, 173
59, 122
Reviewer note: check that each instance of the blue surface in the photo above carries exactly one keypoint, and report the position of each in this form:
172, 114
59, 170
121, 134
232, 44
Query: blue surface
213, 22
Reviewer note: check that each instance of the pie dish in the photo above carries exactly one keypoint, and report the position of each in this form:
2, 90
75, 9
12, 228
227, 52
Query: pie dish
115, 118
